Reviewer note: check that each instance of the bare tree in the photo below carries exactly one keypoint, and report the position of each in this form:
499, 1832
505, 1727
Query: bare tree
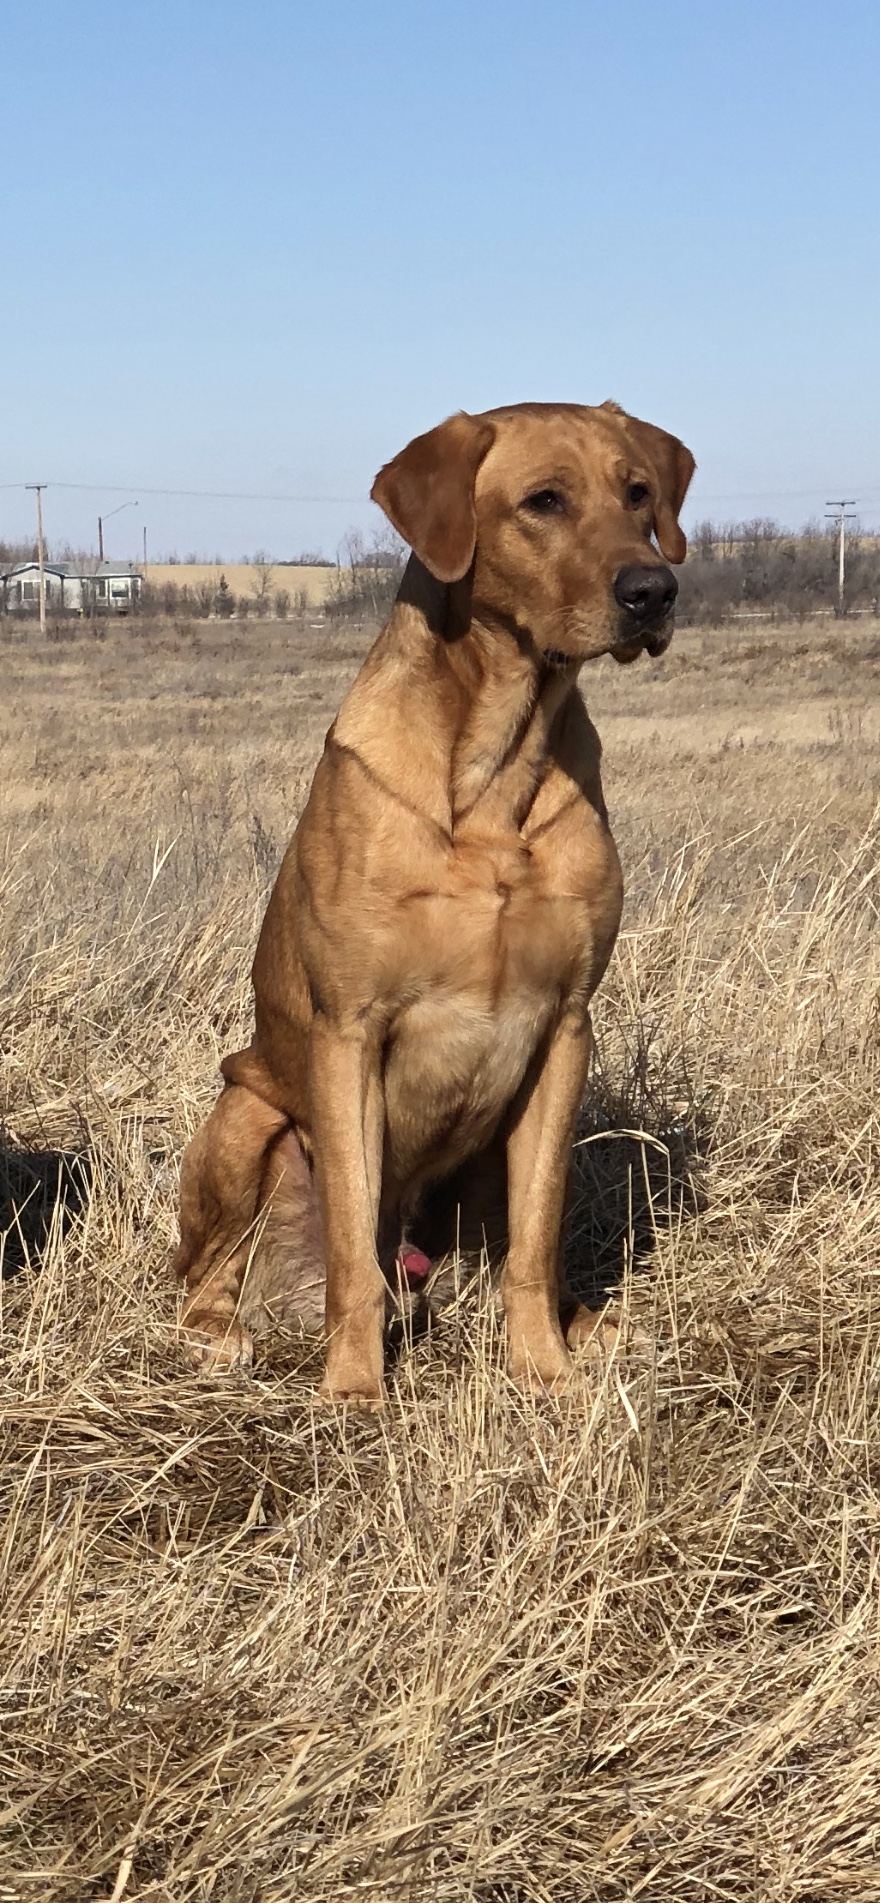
261, 585
206, 595
365, 587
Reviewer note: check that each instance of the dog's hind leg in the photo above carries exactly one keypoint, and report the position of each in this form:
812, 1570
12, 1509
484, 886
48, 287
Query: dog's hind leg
222, 1175
287, 1279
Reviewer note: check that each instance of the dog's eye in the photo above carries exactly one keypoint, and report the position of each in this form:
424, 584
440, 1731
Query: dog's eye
637, 493
545, 502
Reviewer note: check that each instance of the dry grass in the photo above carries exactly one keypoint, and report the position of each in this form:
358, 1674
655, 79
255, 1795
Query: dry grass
624, 1645
244, 578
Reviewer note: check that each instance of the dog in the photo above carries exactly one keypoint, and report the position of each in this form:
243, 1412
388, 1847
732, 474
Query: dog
445, 911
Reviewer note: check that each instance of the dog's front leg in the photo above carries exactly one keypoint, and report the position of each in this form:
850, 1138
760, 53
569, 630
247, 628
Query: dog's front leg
538, 1156
348, 1114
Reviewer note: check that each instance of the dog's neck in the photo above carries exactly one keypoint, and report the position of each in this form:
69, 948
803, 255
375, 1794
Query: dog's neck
468, 709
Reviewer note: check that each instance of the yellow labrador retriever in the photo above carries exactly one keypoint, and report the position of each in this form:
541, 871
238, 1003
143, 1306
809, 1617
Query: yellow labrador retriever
447, 906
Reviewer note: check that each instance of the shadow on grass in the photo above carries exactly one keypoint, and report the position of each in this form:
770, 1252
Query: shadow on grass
39, 1190
640, 1148
642, 1137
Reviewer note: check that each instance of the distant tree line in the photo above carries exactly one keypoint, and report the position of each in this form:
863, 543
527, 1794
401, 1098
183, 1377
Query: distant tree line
734, 568
756, 566
214, 597
731, 568
11, 553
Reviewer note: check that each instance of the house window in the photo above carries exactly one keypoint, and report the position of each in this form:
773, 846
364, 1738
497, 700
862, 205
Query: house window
29, 590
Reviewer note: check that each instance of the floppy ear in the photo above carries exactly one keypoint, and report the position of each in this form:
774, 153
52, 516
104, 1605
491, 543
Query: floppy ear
674, 466
427, 492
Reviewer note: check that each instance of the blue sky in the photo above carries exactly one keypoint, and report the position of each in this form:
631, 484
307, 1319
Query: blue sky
257, 247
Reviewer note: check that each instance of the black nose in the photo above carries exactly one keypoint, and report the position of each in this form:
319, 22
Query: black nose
647, 593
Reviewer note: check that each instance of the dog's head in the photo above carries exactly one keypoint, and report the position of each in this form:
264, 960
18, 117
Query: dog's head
558, 515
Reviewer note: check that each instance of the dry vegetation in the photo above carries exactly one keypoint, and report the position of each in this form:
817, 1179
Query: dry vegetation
743, 567
622, 1645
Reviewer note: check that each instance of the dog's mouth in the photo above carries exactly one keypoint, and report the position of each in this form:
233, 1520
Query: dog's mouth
630, 636
633, 641
556, 659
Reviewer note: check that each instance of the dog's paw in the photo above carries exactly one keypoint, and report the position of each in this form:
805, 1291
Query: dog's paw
546, 1370
213, 1345
367, 1400
352, 1379
597, 1333
529, 1381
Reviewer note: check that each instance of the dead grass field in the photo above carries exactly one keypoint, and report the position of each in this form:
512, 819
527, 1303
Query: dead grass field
621, 1645
244, 578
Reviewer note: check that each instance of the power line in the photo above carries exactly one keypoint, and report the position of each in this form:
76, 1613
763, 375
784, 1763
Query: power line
202, 495
255, 495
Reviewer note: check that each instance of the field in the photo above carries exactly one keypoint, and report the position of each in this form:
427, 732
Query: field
252, 580
624, 1644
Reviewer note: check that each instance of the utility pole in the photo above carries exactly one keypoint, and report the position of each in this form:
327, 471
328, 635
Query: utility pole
145, 545
841, 518
41, 552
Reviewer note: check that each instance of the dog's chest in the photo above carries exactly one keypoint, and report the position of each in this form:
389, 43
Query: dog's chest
504, 937
454, 1064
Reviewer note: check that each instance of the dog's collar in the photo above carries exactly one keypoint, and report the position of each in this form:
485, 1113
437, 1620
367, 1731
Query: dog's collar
554, 657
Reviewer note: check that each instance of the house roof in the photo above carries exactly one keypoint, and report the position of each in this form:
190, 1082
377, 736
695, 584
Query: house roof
72, 571
26, 568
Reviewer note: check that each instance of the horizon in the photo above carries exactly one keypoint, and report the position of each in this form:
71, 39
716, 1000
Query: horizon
735, 531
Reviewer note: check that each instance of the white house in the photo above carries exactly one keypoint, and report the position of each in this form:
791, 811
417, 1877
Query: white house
71, 588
